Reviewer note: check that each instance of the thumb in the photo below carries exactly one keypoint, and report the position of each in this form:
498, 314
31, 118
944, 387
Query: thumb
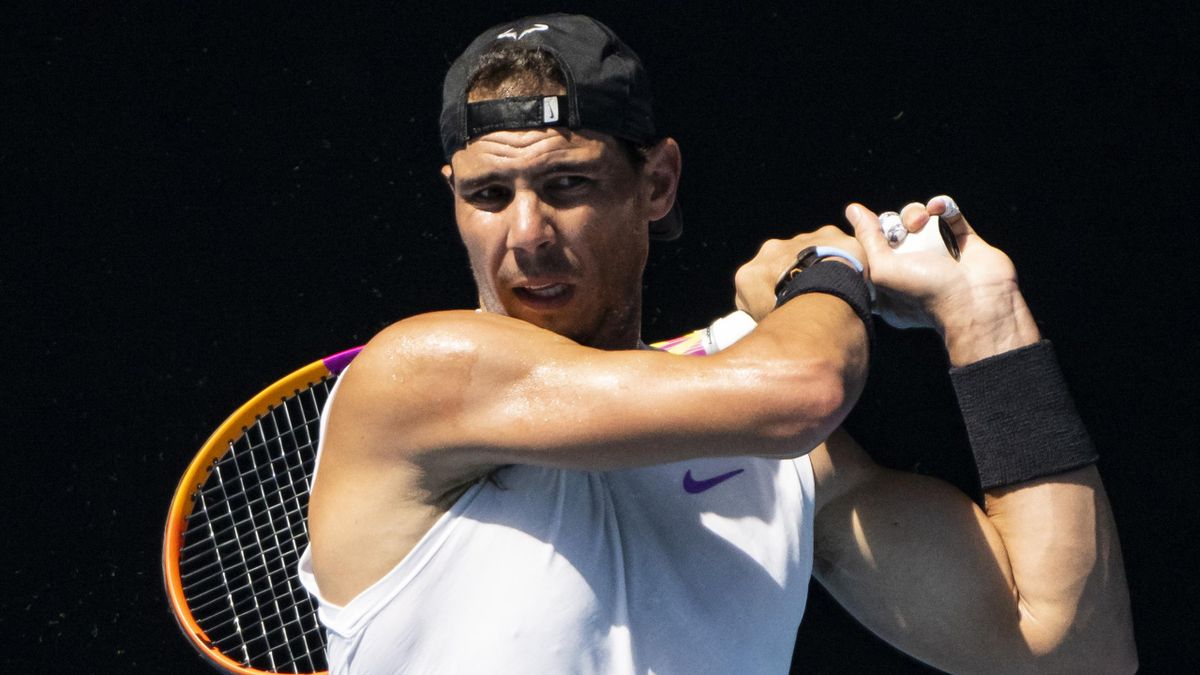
867, 230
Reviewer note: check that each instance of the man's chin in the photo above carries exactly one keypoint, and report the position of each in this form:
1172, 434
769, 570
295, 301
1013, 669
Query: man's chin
565, 323
552, 321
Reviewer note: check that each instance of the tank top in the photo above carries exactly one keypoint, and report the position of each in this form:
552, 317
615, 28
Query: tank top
699, 566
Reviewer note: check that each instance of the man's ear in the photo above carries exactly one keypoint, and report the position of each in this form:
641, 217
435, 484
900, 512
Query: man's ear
448, 174
664, 163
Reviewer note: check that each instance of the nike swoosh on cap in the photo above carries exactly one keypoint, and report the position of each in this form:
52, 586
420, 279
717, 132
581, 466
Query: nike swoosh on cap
693, 486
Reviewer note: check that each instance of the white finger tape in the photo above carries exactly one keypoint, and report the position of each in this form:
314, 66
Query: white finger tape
951, 207
893, 228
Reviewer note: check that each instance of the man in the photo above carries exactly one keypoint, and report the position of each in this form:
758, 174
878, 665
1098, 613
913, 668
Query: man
523, 489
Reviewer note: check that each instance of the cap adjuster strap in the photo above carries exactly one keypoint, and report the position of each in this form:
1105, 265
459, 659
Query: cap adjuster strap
518, 112
607, 90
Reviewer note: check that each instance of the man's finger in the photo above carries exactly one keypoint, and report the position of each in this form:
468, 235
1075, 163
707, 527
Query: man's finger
947, 209
914, 216
867, 230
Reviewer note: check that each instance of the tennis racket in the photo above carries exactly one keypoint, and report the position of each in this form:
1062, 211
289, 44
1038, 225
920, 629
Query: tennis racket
237, 523
237, 527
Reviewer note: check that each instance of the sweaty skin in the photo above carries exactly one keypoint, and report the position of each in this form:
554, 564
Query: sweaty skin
555, 223
541, 213
555, 227
1033, 583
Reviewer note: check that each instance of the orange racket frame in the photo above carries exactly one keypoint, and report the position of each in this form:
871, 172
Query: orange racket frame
198, 472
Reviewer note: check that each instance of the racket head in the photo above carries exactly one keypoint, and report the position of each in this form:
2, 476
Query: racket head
191, 535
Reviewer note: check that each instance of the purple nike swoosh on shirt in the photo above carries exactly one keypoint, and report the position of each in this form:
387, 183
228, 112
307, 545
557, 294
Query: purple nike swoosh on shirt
693, 486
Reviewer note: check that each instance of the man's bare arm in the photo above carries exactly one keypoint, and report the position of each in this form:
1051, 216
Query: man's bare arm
462, 392
483, 390
1035, 582
438, 401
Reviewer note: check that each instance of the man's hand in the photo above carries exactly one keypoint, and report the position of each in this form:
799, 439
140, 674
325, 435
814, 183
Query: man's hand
755, 281
974, 302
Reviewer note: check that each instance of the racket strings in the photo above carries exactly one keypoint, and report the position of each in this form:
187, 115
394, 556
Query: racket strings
280, 518
245, 535
300, 437
256, 553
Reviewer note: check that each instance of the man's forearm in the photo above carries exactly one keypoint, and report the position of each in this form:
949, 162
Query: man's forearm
823, 345
814, 306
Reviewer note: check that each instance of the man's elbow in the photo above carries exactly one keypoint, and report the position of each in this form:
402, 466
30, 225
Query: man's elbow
808, 404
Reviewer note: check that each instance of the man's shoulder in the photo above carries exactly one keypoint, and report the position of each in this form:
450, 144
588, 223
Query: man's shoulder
432, 338
449, 332
429, 381
402, 403
412, 331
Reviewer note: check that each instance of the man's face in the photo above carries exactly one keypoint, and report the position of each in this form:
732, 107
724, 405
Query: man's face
555, 222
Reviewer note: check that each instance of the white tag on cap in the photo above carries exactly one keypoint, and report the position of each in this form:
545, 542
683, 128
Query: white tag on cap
550, 109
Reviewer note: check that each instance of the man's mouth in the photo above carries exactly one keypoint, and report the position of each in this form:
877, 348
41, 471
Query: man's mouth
545, 290
544, 296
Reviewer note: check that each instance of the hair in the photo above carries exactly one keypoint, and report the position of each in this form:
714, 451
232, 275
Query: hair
509, 70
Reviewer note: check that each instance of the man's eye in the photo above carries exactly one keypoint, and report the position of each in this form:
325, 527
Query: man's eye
488, 195
567, 182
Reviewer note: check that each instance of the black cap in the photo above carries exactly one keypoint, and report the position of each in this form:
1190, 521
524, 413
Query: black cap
607, 90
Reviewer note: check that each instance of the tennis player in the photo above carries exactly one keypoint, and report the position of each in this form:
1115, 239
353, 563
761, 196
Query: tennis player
527, 488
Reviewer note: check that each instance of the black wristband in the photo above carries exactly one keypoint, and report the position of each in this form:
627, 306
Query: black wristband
1020, 417
836, 279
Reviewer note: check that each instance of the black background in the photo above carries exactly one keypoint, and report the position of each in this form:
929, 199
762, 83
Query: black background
198, 199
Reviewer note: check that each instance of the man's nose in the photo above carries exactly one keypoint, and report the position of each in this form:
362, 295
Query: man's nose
530, 225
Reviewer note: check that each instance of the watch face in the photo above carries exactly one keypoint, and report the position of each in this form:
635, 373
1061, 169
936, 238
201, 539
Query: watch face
804, 259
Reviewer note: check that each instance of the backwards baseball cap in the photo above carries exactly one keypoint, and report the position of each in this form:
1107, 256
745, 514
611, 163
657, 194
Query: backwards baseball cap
607, 90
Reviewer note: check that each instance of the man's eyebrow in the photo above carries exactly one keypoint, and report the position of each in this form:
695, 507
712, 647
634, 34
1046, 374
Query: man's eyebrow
578, 166
587, 166
476, 182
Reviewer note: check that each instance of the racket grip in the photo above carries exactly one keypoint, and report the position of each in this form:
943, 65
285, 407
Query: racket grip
932, 237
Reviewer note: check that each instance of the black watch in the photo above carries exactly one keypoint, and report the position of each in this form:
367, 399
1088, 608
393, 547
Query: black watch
804, 260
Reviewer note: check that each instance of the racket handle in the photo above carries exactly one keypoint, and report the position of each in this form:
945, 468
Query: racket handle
727, 330
719, 335
935, 236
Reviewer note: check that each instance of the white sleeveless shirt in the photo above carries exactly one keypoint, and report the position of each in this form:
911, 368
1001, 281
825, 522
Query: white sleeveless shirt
699, 566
